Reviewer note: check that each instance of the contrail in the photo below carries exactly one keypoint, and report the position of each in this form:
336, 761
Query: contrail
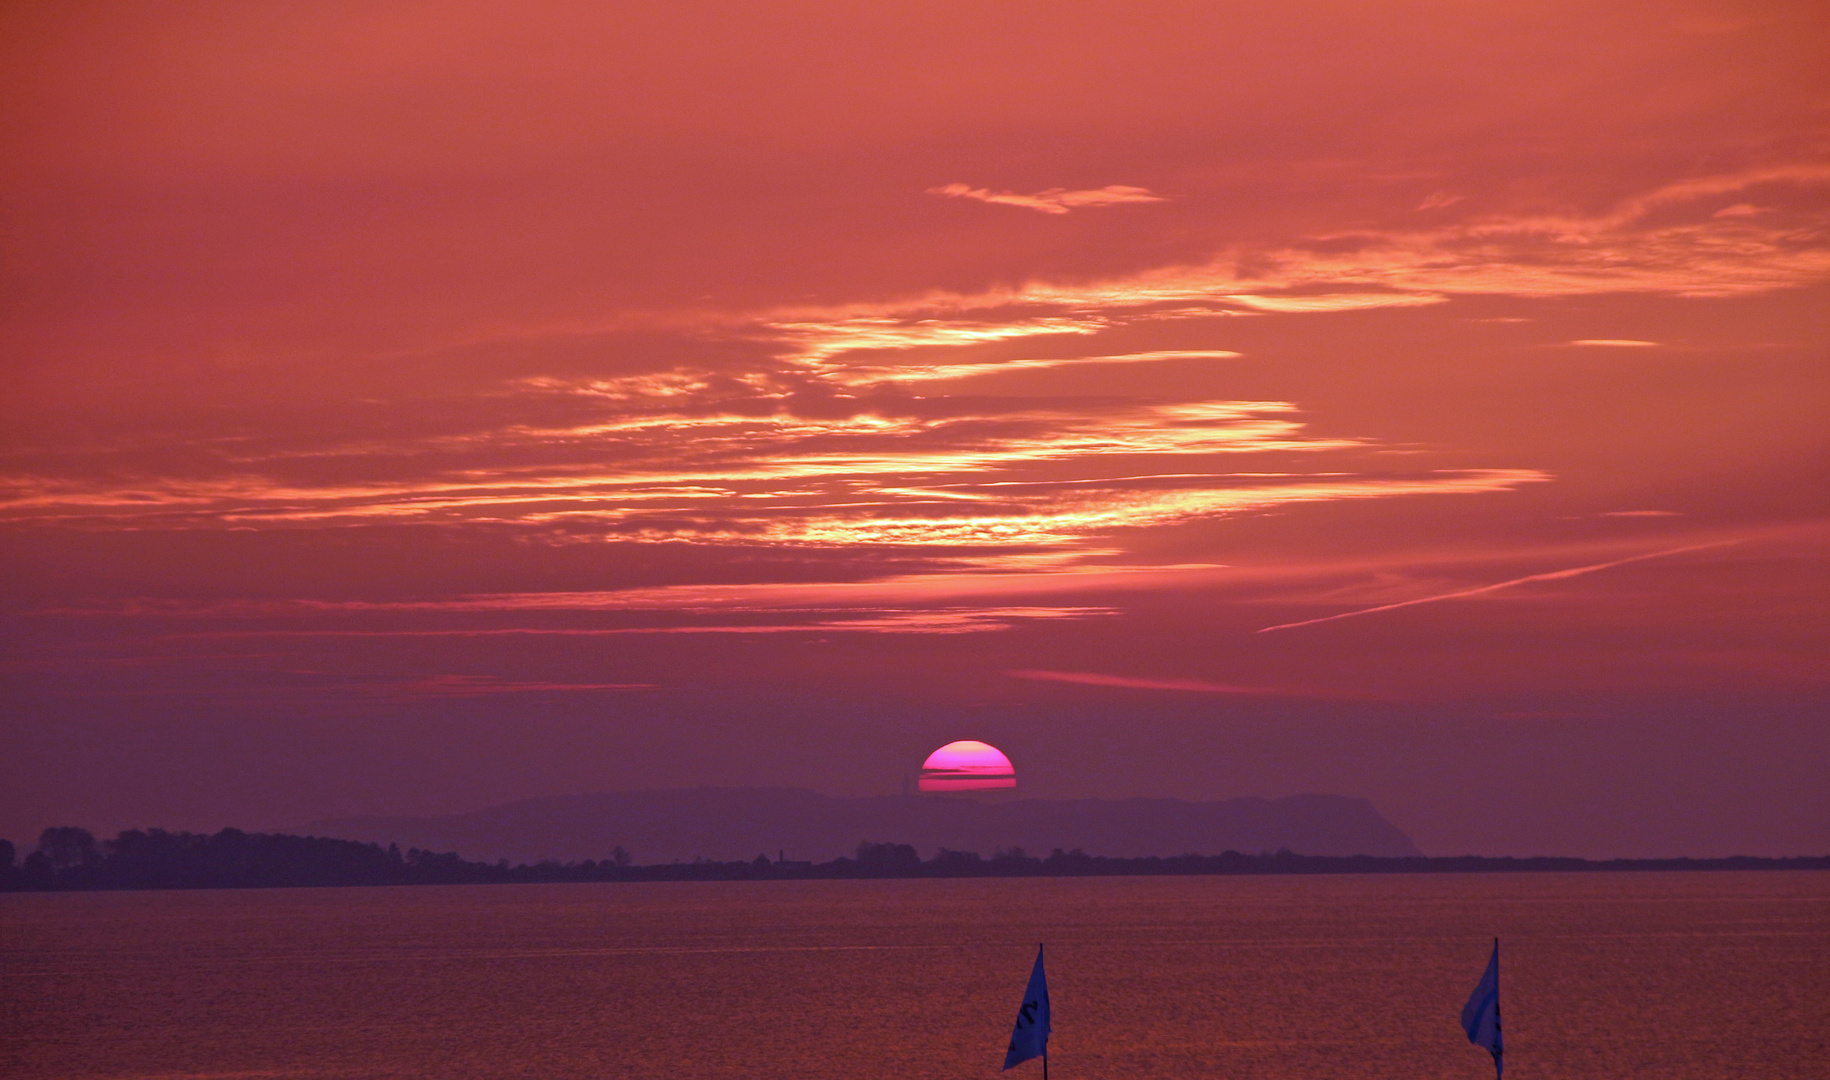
1199, 686
1554, 575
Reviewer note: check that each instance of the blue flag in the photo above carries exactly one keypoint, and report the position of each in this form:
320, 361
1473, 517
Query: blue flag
1480, 1017
1029, 1039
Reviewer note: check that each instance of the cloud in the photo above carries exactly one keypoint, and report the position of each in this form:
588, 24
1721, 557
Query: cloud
817, 427
1054, 200
1667, 240
463, 686
973, 595
906, 373
853, 500
816, 434
818, 453
957, 620
1340, 301
817, 339
1800, 174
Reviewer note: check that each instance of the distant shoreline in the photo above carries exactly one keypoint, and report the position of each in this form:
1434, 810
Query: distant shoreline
70, 860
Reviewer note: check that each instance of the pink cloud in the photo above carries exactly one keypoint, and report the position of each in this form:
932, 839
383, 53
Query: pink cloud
952, 620
457, 686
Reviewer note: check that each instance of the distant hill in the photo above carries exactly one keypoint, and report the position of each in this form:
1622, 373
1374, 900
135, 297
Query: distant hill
741, 823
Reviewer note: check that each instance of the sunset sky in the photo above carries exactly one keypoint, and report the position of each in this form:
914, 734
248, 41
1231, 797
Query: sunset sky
414, 407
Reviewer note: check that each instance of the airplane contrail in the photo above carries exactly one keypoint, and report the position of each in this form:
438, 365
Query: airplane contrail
1553, 575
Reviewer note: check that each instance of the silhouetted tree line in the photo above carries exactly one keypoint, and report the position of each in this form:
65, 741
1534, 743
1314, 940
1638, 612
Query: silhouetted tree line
69, 858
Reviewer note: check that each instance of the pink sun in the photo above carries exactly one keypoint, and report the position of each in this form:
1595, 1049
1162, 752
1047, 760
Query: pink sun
967, 765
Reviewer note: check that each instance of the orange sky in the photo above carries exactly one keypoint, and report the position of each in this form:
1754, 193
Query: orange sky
416, 407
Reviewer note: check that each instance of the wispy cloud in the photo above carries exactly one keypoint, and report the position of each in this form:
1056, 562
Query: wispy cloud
817, 338
1054, 200
1339, 301
464, 686
1695, 189
993, 593
954, 620
1554, 575
907, 373
829, 458
825, 431
1669, 240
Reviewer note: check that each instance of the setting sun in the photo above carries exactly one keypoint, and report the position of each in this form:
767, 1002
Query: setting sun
967, 765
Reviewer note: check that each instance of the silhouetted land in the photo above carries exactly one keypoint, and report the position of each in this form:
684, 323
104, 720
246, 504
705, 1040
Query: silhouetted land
69, 859
727, 824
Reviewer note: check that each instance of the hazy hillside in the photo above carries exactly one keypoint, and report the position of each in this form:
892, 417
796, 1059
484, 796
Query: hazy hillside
741, 823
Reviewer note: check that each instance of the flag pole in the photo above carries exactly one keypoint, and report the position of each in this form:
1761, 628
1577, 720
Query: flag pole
1044, 1034
1029, 1038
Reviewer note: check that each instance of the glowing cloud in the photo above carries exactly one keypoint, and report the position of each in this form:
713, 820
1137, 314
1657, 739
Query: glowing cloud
1054, 200
1340, 301
906, 373
820, 338
824, 460
1669, 240
956, 620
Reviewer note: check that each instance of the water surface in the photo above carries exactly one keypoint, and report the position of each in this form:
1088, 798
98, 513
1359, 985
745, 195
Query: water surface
1674, 976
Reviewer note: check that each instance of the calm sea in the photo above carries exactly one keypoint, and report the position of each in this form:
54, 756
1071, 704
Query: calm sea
1673, 976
